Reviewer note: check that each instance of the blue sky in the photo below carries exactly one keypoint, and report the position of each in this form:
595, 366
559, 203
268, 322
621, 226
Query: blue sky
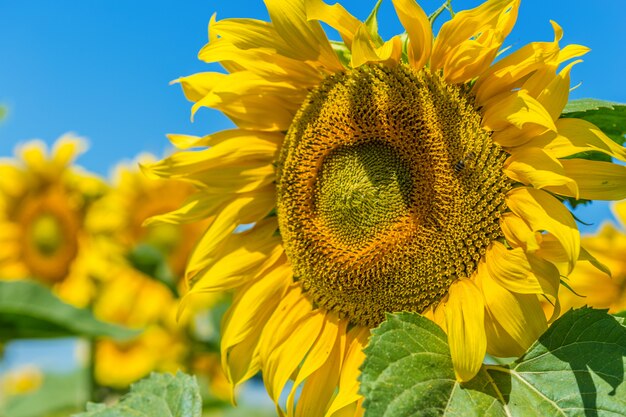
101, 68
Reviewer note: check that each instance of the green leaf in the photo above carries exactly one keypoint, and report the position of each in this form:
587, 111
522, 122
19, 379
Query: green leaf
608, 116
152, 262
163, 395
371, 23
585, 104
576, 368
343, 52
408, 372
30, 310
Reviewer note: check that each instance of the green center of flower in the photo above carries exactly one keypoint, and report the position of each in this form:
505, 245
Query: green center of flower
47, 234
362, 190
389, 190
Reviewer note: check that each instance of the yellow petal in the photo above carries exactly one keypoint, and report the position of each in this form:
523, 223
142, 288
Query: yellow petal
465, 312
320, 386
542, 212
534, 166
597, 180
348, 382
577, 135
198, 85
12, 180
335, 16
521, 273
586, 256
244, 322
240, 86
467, 44
555, 95
306, 38
287, 338
572, 51
248, 209
513, 322
244, 256
264, 62
67, 148
418, 29
518, 234
195, 208
246, 34
260, 148
515, 109
321, 351
33, 153
364, 50
511, 71
619, 210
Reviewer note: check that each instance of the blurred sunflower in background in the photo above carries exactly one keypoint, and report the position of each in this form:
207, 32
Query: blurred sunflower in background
133, 200
595, 288
377, 176
139, 283
43, 202
135, 300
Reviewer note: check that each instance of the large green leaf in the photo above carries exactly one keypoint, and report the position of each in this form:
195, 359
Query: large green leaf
608, 116
162, 395
575, 369
28, 309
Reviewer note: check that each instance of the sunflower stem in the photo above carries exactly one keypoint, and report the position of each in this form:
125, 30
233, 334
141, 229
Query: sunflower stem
445, 6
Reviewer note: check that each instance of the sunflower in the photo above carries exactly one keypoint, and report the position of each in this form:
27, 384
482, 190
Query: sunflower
414, 174
600, 288
43, 201
137, 301
133, 199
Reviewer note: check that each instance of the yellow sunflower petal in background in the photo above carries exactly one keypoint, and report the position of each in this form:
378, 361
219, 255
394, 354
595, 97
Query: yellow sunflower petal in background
141, 264
44, 199
121, 214
428, 182
591, 286
134, 300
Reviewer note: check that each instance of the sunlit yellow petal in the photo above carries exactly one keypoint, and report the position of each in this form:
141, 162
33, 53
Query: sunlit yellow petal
241, 327
516, 109
543, 212
516, 320
320, 386
466, 45
597, 180
335, 16
418, 29
575, 136
554, 96
534, 166
240, 211
287, 338
306, 38
465, 311
322, 349
348, 383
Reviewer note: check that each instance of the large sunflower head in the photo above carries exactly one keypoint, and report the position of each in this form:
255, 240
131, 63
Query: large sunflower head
418, 173
43, 200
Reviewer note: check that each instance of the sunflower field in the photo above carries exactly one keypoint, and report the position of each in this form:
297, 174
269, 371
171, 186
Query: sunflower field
382, 208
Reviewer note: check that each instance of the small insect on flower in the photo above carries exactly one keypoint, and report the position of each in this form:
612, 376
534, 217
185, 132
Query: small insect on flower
462, 163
